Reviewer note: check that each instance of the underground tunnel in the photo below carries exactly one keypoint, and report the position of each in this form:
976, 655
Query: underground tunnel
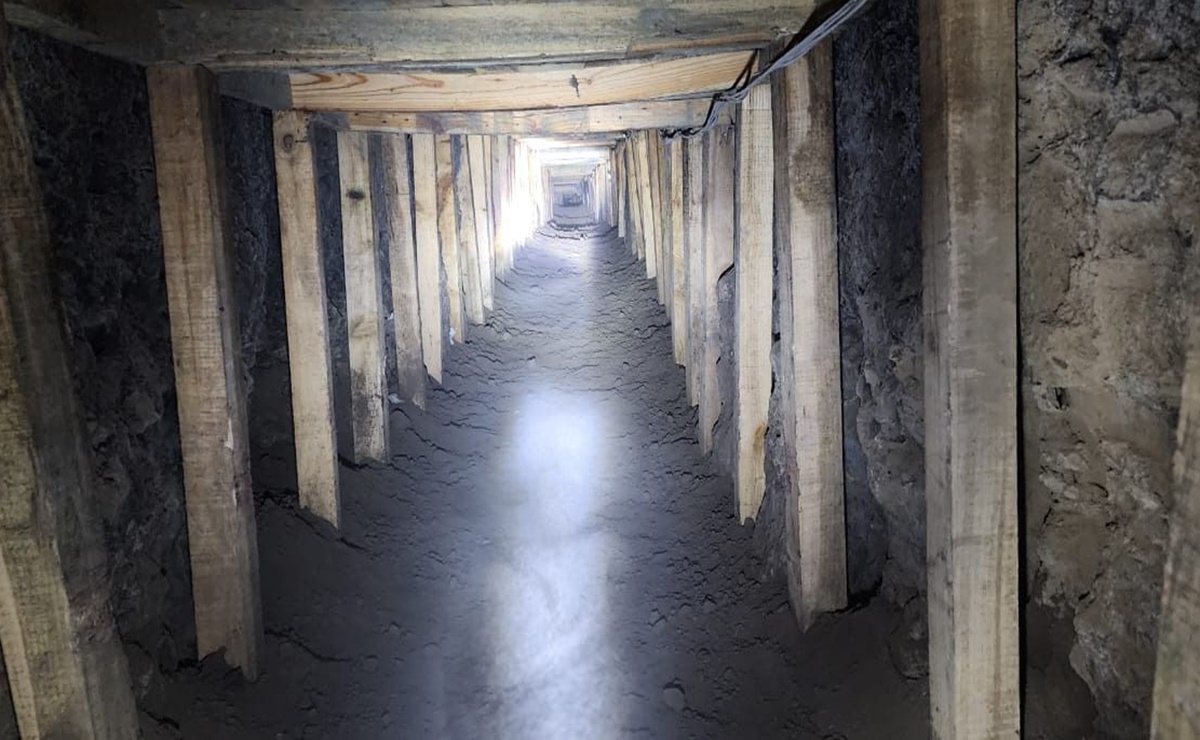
563, 370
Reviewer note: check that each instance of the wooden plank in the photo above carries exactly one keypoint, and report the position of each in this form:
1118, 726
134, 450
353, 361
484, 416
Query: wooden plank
489, 199
468, 237
646, 189
427, 234
679, 312
364, 301
402, 259
477, 174
969, 166
619, 190
502, 172
192, 207
810, 349
1176, 713
693, 212
324, 35
755, 198
637, 244
447, 220
662, 219
611, 118
65, 663
535, 87
309, 359
719, 221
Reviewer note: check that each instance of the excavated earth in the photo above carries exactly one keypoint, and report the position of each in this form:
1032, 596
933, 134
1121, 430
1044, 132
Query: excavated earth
548, 555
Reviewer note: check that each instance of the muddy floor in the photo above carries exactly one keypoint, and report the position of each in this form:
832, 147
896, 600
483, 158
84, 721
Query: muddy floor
548, 557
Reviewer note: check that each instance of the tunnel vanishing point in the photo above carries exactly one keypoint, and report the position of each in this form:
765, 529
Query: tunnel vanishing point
559, 370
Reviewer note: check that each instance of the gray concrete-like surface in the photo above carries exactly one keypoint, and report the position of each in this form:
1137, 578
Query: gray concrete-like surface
548, 556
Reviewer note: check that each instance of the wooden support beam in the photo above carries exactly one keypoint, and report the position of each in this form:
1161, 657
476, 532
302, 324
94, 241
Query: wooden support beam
489, 199
534, 87
64, 659
646, 189
620, 193
402, 259
309, 356
633, 160
1177, 676
502, 175
447, 220
679, 312
364, 301
468, 236
810, 349
719, 221
693, 217
969, 221
189, 163
427, 236
662, 218
755, 198
332, 34
478, 176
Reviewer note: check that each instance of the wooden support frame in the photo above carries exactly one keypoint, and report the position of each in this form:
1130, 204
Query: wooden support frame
719, 222
646, 189
502, 153
309, 357
66, 666
969, 230
693, 217
192, 205
678, 258
476, 160
810, 348
468, 237
755, 198
402, 262
427, 235
447, 219
637, 244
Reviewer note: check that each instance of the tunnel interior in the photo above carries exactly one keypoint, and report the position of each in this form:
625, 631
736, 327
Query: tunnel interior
546, 527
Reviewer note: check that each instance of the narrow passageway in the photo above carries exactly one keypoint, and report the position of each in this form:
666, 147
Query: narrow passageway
548, 557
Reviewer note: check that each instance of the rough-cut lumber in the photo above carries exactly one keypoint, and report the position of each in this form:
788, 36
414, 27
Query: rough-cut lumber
535, 87
192, 207
468, 238
402, 258
475, 159
65, 662
364, 301
489, 200
810, 350
615, 117
660, 202
637, 244
719, 222
645, 184
619, 191
969, 220
1177, 678
679, 312
693, 209
755, 197
426, 234
447, 221
309, 360
502, 169
324, 35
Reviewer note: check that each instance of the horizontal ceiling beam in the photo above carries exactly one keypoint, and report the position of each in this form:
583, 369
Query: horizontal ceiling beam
529, 88
332, 33
664, 114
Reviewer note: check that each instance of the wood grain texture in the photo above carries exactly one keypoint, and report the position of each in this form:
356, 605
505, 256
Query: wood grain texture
693, 214
719, 222
468, 236
309, 357
211, 401
502, 168
755, 198
678, 266
402, 261
478, 174
427, 235
447, 220
969, 220
646, 188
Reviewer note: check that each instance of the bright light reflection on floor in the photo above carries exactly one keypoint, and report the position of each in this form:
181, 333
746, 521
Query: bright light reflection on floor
553, 668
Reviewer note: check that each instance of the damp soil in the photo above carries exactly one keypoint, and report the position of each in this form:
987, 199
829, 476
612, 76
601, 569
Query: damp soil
548, 555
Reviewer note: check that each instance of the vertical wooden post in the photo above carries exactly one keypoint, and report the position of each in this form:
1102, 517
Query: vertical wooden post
189, 163
448, 235
489, 201
402, 259
645, 186
364, 301
633, 189
468, 234
678, 267
502, 187
65, 663
810, 352
619, 190
658, 217
429, 271
755, 199
969, 167
478, 178
309, 356
693, 167
719, 222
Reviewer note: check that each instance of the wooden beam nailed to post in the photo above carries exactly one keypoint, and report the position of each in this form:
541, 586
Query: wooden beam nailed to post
679, 309
426, 234
719, 223
447, 221
810, 350
477, 169
189, 164
402, 259
364, 301
309, 358
468, 239
64, 659
755, 198
693, 212
969, 230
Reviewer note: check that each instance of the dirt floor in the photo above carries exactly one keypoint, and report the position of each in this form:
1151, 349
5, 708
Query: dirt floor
548, 556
